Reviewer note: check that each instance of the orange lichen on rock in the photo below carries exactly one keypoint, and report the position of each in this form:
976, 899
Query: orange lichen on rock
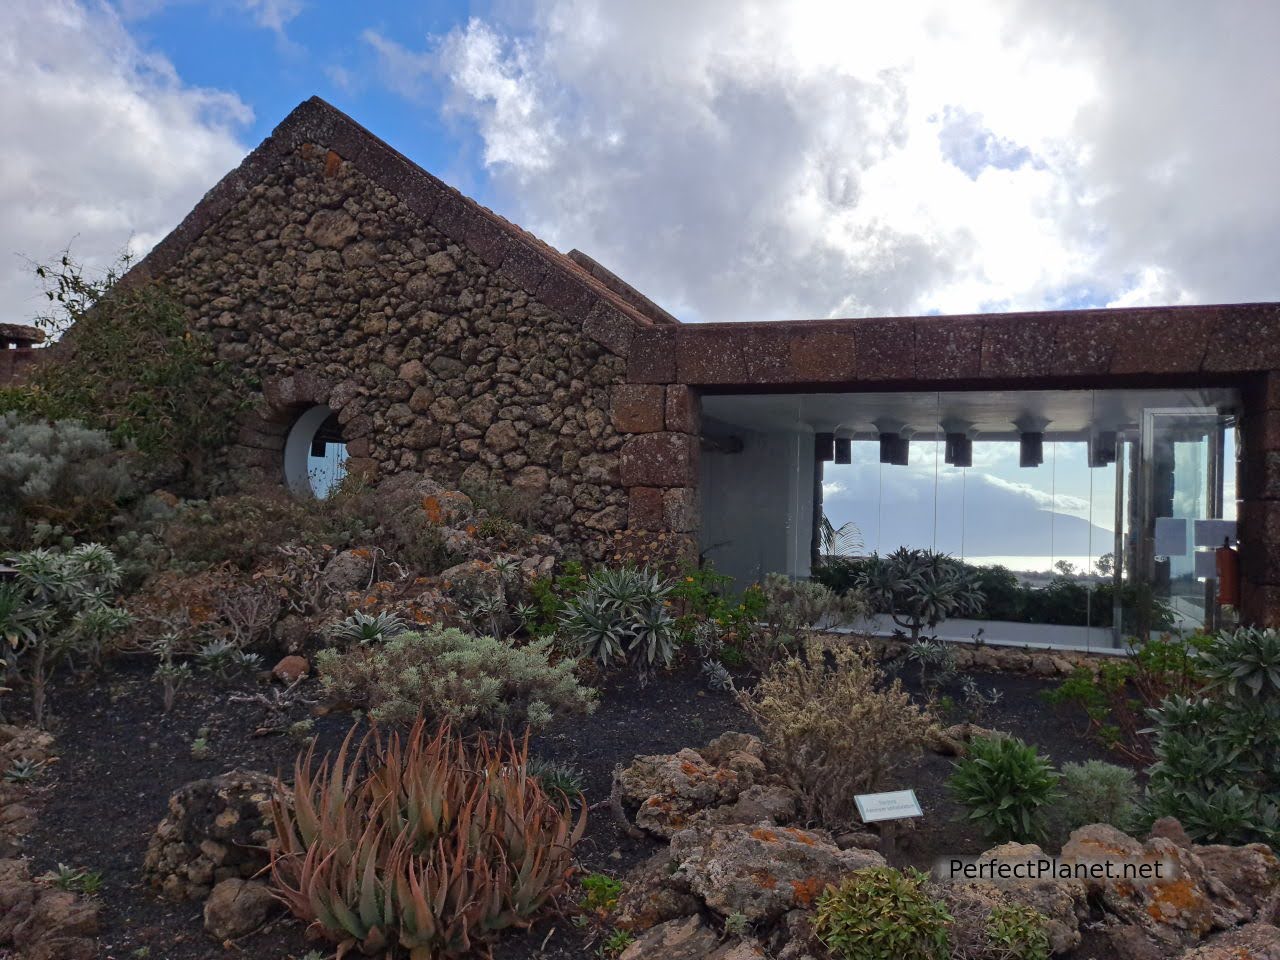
432, 509
806, 838
1180, 898
764, 835
766, 880
807, 890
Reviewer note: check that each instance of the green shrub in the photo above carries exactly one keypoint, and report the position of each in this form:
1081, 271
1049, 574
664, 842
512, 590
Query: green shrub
985, 930
59, 474
1006, 786
936, 661
1018, 932
621, 615
1095, 792
59, 608
1217, 763
556, 776
548, 597
880, 914
835, 728
1117, 698
600, 892
129, 363
472, 682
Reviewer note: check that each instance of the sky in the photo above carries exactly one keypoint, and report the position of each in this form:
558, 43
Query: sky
734, 159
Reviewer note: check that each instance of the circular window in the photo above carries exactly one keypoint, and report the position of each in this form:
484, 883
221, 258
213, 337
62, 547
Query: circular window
315, 458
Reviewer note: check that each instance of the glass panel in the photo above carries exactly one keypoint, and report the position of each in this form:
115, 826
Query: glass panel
1183, 475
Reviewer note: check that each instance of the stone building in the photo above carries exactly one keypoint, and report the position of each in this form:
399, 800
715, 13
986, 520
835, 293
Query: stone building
389, 317
18, 344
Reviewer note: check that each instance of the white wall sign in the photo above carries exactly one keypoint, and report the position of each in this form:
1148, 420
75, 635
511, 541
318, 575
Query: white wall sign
895, 805
1211, 533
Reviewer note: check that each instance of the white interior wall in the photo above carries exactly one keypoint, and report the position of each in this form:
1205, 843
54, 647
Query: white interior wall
757, 505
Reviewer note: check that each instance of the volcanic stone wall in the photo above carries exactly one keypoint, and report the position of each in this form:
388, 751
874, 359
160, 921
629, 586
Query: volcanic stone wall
331, 290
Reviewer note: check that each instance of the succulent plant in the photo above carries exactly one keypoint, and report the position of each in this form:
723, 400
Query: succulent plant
432, 844
621, 614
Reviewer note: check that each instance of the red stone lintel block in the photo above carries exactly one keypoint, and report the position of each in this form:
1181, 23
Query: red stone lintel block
710, 354
886, 349
823, 356
660, 460
948, 348
1084, 344
1245, 337
1018, 347
1170, 341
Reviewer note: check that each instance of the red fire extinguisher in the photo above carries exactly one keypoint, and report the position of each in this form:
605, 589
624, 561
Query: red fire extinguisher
1228, 564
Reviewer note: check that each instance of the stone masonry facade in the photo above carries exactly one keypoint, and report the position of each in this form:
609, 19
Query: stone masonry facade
447, 341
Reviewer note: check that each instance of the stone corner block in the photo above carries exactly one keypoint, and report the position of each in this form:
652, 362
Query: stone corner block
636, 407
660, 460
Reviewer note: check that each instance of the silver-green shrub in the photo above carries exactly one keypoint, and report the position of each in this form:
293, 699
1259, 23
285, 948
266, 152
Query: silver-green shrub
1095, 792
58, 472
793, 606
472, 682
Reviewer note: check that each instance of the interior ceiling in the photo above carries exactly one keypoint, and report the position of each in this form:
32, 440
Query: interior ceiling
1071, 414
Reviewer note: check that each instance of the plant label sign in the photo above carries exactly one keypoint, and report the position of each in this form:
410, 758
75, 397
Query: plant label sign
895, 805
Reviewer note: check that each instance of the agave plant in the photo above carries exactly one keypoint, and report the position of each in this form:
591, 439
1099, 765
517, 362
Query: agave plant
432, 844
364, 628
920, 588
622, 615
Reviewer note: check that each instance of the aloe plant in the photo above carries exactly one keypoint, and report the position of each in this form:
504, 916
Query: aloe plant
432, 844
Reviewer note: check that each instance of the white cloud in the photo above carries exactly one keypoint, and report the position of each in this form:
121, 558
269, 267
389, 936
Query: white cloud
273, 14
788, 158
105, 145
1044, 499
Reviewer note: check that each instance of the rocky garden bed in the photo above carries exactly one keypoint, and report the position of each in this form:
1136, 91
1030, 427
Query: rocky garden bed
169, 807
402, 721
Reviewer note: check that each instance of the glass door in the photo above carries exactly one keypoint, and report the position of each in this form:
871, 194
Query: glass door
1181, 476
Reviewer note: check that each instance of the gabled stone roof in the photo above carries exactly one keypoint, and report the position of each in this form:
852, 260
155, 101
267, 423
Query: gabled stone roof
606, 315
21, 334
